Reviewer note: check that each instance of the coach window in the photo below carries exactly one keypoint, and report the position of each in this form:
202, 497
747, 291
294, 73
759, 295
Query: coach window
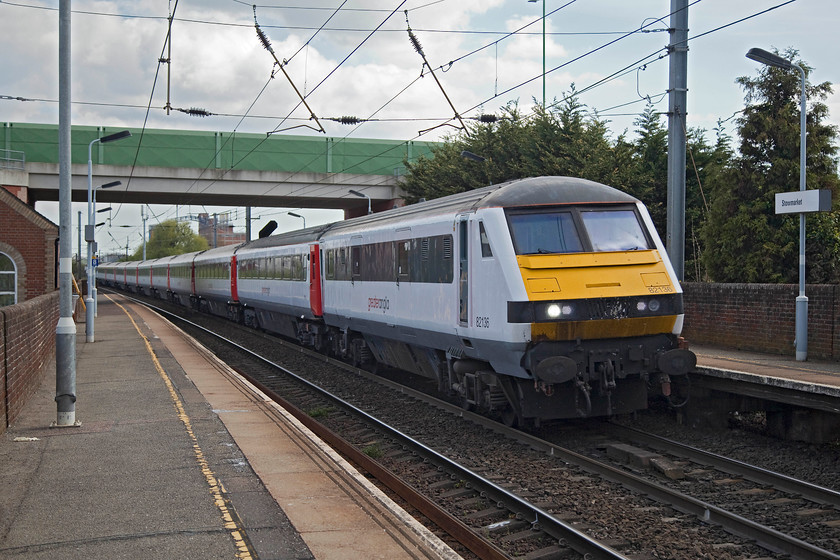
403, 248
297, 267
8, 281
330, 266
486, 251
356, 260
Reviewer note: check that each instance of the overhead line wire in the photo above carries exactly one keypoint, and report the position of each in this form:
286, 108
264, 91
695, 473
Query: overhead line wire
302, 100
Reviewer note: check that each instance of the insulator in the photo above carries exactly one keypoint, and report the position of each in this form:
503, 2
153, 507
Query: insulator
196, 112
263, 39
349, 120
487, 118
415, 42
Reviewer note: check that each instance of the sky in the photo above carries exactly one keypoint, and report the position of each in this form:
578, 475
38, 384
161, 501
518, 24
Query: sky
355, 58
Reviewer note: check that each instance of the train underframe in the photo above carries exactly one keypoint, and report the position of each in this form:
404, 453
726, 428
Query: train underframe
574, 379
570, 379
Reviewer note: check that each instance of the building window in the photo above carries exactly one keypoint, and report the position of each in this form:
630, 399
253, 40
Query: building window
8, 281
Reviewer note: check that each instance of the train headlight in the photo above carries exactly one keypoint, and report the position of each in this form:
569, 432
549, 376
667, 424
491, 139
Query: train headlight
654, 305
557, 310
641, 306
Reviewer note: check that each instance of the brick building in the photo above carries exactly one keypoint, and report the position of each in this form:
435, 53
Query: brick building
218, 231
28, 251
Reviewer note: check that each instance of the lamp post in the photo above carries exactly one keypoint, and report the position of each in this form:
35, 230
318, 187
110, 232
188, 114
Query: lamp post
543, 34
90, 234
298, 216
95, 211
362, 195
770, 59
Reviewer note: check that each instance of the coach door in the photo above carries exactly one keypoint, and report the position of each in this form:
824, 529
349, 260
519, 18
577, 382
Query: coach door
463, 271
234, 287
315, 298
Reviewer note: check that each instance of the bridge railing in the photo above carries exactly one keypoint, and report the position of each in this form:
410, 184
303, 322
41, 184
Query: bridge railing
12, 159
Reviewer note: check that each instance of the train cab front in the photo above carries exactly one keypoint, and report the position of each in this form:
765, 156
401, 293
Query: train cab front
604, 307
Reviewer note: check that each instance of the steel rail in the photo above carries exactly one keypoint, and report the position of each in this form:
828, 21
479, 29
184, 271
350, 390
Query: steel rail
537, 517
805, 489
767, 537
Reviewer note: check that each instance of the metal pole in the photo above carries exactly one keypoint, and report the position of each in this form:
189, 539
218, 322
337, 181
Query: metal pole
95, 250
677, 90
143, 217
543, 41
802, 300
65, 332
543, 74
79, 255
247, 223
89, 313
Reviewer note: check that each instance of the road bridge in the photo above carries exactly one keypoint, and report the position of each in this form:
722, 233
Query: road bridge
210, 168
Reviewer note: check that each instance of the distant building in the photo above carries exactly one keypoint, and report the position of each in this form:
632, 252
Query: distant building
28, 250
218, 231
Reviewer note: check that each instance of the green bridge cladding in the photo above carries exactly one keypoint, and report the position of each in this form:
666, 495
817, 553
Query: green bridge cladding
217, 150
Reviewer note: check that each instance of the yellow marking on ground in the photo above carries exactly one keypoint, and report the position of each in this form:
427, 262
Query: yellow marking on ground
216, 487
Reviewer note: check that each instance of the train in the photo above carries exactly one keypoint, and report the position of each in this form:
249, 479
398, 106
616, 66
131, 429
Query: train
537, 299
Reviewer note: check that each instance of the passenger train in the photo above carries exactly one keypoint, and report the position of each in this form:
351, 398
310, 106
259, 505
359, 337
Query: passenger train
536, 299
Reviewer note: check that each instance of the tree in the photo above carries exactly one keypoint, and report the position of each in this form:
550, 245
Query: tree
745, 240
560, 140
170, 238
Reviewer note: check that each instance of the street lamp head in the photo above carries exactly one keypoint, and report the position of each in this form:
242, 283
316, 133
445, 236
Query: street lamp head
111, 184
768, 58
362, 195
298, 216
115, 136
474, 157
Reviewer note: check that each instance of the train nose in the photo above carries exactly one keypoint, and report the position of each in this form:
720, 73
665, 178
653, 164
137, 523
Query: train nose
678, 361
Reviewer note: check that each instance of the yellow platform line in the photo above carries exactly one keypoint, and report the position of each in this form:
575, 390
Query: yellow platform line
216, 488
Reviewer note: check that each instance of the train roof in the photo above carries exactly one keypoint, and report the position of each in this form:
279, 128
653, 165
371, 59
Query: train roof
308, 235
519, 193
539, 191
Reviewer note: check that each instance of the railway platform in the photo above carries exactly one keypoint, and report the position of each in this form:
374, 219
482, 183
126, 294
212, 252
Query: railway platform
176, 456
801, 399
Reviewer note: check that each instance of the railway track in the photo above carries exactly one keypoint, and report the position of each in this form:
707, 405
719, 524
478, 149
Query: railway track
529, 497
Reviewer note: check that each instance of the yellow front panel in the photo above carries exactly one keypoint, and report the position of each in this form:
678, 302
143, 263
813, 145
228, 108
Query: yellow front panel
594, 275
612, 328
597, 275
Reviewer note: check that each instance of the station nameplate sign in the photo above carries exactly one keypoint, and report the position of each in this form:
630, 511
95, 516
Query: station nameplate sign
803, 201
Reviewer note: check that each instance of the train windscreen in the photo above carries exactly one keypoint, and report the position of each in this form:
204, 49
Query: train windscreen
577, 230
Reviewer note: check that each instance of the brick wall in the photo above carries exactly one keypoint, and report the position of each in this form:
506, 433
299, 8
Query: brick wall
762, 317
27, 344
27, 235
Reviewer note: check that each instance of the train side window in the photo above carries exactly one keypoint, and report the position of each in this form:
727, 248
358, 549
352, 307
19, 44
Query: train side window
403, 248
486, 251
330, 265
356, 261
297, 268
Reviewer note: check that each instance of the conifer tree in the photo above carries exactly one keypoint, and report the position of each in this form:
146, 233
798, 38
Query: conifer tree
745, 241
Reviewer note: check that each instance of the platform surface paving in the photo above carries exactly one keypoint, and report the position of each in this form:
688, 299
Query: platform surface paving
177, 458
